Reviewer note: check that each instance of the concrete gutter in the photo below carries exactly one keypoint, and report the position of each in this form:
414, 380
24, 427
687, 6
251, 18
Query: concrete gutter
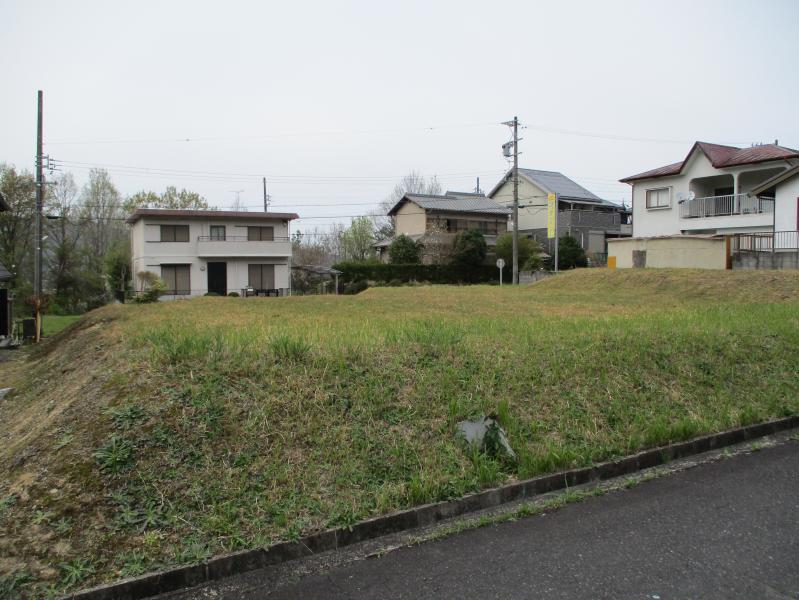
248, 560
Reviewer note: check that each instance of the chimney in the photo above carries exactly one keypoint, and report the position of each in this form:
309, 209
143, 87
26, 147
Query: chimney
776, 142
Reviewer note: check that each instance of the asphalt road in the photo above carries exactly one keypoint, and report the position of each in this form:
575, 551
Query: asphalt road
728, 529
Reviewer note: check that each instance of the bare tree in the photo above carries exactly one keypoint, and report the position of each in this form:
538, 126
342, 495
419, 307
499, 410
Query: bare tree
413, 183
63, 256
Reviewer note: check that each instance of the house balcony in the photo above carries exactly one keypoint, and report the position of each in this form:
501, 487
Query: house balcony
725, 206
242, 247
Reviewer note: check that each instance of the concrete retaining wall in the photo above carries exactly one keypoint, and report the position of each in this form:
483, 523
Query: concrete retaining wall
766, 260
682, 251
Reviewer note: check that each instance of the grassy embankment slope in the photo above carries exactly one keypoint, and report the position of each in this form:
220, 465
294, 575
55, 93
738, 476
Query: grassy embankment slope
148, 436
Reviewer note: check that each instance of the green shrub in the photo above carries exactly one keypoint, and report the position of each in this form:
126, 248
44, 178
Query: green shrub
233, 295
570, 254
383, 273
404, 251
469, 249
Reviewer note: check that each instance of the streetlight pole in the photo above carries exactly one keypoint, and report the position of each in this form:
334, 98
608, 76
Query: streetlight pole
515, 200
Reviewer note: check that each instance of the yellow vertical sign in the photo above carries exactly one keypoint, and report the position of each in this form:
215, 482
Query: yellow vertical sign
552, 214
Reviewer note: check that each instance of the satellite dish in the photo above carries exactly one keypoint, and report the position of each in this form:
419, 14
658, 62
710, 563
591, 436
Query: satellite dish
681, 196
691, 195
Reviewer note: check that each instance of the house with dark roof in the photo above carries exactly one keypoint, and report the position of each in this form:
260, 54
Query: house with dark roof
195, 252
717, 190
581, 213
434, 221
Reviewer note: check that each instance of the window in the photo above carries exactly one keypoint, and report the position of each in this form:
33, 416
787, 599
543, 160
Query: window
260, 234
176, 278
174, 233
659, 198
261, 277
218, 232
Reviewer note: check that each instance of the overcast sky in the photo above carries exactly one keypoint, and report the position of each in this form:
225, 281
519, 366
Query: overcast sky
335, 101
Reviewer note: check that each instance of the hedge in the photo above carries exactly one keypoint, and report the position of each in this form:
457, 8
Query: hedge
384, 273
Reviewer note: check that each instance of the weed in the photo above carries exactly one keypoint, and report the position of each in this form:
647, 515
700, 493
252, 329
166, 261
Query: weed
12, 583
126, 417
289, 349
75, 571
42, 516
115, 455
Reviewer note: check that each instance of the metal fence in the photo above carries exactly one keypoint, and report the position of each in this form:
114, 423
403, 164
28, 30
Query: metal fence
779, 241
718, 206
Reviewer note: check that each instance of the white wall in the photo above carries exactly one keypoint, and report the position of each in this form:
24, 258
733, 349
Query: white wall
786, 217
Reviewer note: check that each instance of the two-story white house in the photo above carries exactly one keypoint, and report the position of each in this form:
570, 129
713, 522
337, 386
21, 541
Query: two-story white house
717, 190
199, 251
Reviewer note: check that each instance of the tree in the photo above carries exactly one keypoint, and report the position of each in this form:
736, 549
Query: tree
412, 183
16, 228
469, 249
529, 251
117, 267
357, 241
171, 198
404, 251
570, 254
64, 256
101, 207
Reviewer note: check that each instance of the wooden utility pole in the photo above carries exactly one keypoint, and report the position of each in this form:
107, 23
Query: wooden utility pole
37, 305
515, 200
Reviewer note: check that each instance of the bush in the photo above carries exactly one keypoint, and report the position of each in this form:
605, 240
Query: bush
570, 254
529, 251
354, 272
404, 251
233, 295
354, 287
469, 249
153, 287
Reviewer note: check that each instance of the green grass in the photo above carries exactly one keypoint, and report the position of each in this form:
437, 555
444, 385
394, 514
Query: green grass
156, 435
53, 324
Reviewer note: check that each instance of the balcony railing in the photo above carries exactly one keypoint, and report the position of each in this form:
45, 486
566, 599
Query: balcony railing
780, 241
237, 238
721, 206
241, 246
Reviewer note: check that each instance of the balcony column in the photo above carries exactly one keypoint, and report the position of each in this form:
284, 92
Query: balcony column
736, 204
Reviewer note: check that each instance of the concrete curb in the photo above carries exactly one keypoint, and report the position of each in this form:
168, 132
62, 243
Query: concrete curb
248, 560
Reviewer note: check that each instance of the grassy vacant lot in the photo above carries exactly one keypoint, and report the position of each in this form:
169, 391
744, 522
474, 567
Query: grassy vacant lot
148, 436
53, 324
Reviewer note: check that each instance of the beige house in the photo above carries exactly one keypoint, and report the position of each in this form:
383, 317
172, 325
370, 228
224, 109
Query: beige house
434, 221
199, 251
581, 213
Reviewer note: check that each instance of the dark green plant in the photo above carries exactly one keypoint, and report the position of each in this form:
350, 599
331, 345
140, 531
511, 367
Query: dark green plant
404, 251
469, 249
115, 455
570, 254
233, 294
529, 251
382, 273
117, 266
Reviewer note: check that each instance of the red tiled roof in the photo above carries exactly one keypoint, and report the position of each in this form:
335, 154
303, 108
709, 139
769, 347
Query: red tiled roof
721, 156
208, 214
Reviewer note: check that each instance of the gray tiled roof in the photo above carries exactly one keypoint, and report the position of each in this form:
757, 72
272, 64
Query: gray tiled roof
558, 183
454, 203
